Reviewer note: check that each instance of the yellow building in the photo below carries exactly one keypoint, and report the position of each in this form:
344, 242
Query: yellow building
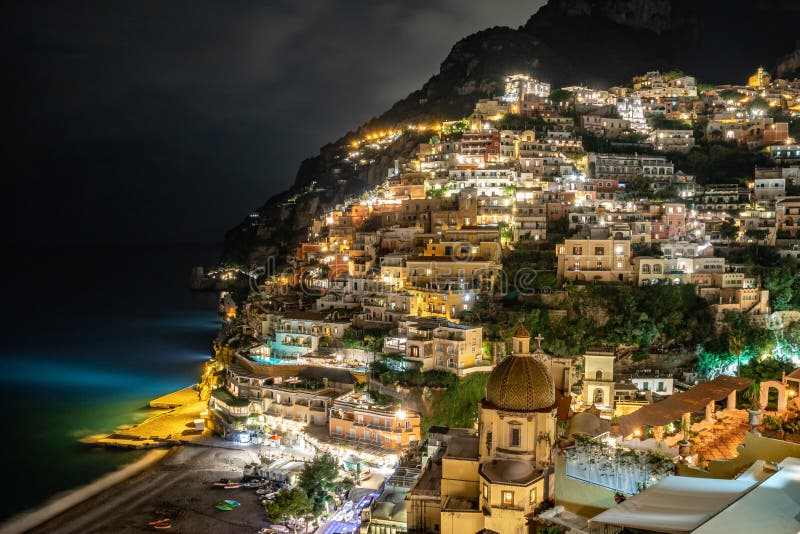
598, 379
760, 79
495, 480
605, 260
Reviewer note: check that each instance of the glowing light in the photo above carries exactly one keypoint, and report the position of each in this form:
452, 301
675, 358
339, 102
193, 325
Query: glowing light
401, 414
637, 432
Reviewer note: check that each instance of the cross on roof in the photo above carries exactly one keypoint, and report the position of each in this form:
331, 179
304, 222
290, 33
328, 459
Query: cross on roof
539, 339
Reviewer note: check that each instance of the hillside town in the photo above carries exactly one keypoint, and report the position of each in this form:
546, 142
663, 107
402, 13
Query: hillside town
575, 309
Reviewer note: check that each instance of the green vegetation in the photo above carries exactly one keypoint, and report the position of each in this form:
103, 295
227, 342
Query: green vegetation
663, 123
728, 230
730, 94
289, 503
458, 406
703, 88
783, 283
561, 95
369, 339
387, 374
666, 317
513, 121
719, 162
319, 481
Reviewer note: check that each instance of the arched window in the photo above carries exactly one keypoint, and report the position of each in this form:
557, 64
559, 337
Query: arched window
598, 375
645, 269
656, 269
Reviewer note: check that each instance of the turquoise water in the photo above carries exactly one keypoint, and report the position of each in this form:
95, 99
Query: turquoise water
267, 360
92, 335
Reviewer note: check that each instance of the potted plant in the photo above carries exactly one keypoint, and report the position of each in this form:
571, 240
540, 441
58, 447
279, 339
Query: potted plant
563, 439
684, 445
751, 398
615, 425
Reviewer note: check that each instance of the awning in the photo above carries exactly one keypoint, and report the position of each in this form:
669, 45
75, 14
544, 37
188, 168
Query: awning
673, 407
675, 504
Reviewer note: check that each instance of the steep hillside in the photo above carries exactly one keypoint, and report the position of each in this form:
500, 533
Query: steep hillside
593, 42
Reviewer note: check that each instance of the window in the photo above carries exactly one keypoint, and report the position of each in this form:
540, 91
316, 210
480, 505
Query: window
486, 491
508, 498
515, 437
577, 250
599, 251
532, 496
661, 387
598, 375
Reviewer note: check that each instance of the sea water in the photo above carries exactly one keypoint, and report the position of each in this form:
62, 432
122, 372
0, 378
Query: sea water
90, 335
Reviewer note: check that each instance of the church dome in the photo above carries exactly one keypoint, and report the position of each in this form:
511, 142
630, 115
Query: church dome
520, 383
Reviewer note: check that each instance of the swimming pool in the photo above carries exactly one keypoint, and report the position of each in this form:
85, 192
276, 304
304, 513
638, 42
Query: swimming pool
271, 360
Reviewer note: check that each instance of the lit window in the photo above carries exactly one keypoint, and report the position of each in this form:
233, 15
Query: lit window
486, 491
508, 498
532, 496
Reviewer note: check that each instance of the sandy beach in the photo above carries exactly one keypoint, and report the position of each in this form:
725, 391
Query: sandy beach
173, 483
173, 479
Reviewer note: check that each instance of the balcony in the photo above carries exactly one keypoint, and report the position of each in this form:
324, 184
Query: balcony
588, 269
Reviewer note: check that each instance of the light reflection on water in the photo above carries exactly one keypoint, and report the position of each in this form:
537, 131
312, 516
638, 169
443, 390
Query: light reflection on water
85, 353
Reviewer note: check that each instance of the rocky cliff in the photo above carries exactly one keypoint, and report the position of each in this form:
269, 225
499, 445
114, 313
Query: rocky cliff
594, 42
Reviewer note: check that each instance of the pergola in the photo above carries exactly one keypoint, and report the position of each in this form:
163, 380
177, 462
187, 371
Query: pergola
682, 405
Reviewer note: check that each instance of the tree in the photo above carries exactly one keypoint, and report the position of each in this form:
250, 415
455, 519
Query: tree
757, 234
292, 503
730, 94
758, 106
318, 480
729, 230
559, 96
517, 122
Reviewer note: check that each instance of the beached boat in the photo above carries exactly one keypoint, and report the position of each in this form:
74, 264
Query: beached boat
163, 526
232, 485
227, 505
158, 521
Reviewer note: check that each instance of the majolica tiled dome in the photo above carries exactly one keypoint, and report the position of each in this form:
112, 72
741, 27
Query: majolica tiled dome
521, 383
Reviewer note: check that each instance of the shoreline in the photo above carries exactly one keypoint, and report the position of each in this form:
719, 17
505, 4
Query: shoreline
59, 504
171, 410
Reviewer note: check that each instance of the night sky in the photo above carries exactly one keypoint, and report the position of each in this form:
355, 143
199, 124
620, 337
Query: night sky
169, 121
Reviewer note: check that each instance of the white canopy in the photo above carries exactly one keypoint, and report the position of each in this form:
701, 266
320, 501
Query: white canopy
773, 506
675, 504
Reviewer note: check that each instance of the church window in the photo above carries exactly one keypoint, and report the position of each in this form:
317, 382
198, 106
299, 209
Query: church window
599, 375
508, 498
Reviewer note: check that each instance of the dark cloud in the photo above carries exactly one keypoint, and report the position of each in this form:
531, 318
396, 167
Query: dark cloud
170, 120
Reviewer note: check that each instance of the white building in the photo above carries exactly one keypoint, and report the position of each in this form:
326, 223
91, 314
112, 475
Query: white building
770, 188
657, 384
631, 110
